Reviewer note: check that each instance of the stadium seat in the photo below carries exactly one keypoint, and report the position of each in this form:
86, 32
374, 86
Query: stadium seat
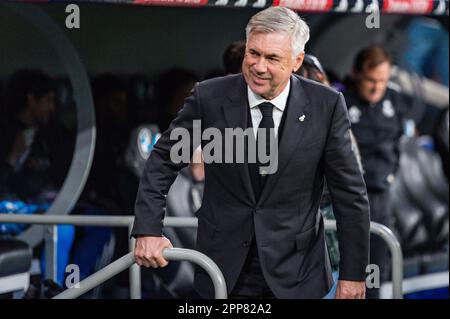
431, 166
436, 262
15, 262
435, 211
409, 219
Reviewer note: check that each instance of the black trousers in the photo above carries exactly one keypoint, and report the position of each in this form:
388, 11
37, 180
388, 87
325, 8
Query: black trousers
251, 283
380, 212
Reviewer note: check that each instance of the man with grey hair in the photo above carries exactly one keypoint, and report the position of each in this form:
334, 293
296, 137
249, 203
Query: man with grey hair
265, 231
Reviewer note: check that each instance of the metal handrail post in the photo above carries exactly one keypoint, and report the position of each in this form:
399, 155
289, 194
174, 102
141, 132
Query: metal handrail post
98, 278
93, 220
397, 257
396, 252
220, 288
135, 271
181, 222
126, 261
77, 220
51, 252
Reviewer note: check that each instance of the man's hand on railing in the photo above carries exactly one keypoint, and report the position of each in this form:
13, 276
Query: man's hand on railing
351, 289
148, 251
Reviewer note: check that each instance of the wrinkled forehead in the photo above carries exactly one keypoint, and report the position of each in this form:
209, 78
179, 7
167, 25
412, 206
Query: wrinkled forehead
269, 42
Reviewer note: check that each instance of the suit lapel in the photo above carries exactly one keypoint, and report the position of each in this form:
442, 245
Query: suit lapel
235, 112
292, 134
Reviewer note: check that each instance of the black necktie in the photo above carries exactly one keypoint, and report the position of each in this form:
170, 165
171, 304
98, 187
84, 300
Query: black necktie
266, 123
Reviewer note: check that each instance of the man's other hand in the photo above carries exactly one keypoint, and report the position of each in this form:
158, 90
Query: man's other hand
148, 251
351, 289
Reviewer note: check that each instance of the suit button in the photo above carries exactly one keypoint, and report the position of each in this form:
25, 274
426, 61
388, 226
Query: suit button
245, 244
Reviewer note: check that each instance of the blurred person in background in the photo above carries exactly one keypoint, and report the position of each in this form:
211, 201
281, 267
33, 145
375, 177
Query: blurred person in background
233, 56
35, 154
35, 149
377, 114
109, 178
171, 90
427, 49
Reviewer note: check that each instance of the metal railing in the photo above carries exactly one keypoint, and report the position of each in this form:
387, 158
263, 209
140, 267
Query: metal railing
122, 263
127, 261
396, 253
51, 238
172, 254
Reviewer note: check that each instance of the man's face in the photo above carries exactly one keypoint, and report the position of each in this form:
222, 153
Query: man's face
269, 63
372, 83
42, 107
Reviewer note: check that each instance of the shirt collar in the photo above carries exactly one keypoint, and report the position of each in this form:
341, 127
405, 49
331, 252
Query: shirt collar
279, 102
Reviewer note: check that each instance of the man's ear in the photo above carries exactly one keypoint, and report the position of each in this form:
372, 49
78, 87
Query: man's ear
298, 61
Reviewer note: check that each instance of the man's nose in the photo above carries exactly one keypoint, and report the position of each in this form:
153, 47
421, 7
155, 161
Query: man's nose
380, 86
261, 65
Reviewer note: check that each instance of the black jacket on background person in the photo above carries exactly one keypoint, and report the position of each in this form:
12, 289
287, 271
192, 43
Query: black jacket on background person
44, 164
377, 128
285, 219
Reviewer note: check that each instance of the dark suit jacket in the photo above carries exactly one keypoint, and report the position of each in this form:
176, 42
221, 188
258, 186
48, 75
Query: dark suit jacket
285, 220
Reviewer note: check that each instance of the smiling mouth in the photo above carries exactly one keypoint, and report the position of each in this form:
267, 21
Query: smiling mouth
259, 79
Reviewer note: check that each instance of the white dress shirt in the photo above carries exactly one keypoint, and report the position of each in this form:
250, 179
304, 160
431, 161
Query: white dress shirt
279, 102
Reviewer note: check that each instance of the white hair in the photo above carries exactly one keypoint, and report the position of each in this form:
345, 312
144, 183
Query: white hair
281, 20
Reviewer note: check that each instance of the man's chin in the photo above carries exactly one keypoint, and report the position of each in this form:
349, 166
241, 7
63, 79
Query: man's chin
258, 89
372, 98
375, 100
